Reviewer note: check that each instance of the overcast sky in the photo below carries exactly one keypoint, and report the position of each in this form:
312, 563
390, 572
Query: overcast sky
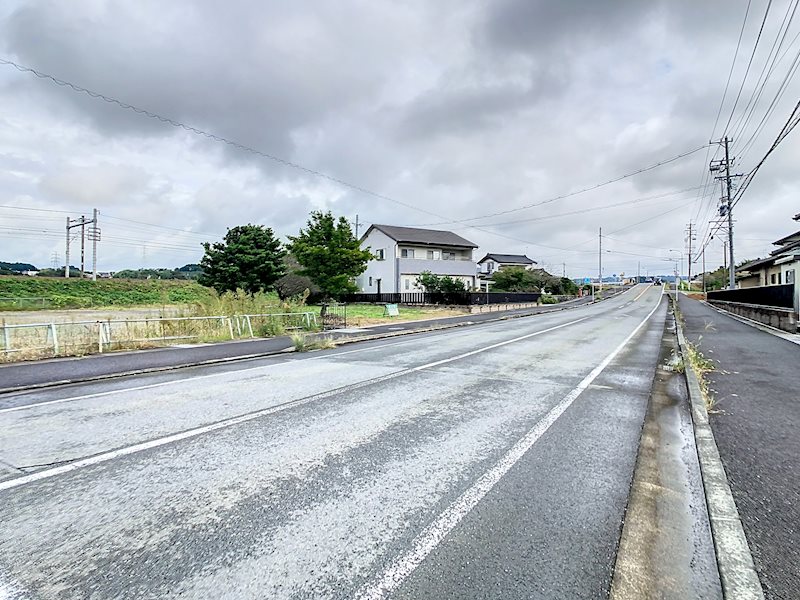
458, 108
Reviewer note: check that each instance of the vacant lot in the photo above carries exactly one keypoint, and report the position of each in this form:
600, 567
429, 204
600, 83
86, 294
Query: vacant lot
359, 315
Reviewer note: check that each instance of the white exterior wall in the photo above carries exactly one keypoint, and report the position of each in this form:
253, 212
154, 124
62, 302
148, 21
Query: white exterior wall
396, 273
794, 267
385, 270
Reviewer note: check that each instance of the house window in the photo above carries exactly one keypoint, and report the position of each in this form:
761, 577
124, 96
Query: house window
407, 253
490, 266
370, 282
790, 276
448, 255
430, 254
772, 279
407, 284
380, 254
779, 278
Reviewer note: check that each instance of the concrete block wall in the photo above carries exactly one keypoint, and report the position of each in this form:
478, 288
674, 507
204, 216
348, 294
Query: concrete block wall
780, 318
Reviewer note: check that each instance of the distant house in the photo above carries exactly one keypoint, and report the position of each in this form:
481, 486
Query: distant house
402, 253
781, 267
491, 263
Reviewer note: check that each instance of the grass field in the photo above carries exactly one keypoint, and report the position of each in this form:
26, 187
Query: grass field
82, 293
372, 314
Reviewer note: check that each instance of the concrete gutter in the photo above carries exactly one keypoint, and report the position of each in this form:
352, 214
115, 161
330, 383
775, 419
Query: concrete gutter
734, 561
349, 339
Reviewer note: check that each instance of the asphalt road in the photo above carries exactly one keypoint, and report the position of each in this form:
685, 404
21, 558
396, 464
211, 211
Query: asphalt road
63, 370
492, 461
755, 422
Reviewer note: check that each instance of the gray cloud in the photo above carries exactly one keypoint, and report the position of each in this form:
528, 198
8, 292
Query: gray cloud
459, 108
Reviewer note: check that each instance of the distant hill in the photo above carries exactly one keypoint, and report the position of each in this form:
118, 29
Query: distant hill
17, 267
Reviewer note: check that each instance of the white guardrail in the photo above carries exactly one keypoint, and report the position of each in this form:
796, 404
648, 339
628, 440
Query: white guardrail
100, 335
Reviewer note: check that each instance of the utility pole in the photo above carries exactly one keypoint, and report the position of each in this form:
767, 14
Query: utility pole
690, 236
563, 269
724, 165
66, 253
704, 269
600, 260
94, 236
639, 272
83, 244
81, 222
724, 255
357, 226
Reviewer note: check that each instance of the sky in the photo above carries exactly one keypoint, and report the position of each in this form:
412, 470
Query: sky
433, 114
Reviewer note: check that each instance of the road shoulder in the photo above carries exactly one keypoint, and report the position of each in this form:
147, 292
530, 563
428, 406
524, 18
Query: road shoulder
666, 547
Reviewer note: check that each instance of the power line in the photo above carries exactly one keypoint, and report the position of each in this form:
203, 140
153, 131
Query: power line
791, 123
48, 210
766, 71
749, 63
206, 134
592, 209
774, 103
575, 193
730, 73
237, 145
166, 227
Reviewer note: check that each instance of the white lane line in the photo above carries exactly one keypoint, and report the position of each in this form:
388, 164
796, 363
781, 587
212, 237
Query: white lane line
211, 375
195, 378
433, 534
643, 292
224, 424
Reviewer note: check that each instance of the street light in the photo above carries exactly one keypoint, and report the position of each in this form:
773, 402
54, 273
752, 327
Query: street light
679, 272
674, 261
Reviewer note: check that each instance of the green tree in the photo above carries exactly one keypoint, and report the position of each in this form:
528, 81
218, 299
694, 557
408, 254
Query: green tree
440, 283
250, 258
294, 284
516, 279
329, 254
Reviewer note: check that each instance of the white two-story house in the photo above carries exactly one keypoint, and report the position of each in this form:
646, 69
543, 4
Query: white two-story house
402, 253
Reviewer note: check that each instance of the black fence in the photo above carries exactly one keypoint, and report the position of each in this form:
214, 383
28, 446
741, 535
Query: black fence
334, 316
781, 296
454, 298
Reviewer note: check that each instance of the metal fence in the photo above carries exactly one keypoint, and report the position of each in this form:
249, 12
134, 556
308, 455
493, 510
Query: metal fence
781, 296
334, 315
449, 298
76, 337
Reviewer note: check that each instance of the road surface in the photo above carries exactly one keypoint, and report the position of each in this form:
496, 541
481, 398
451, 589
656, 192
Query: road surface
755, 420
62, 370
492, 461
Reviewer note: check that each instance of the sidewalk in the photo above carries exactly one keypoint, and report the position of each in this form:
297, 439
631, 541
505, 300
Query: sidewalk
14, 376
755, 423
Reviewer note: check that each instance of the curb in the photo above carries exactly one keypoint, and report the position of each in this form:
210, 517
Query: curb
219, 361
737, 571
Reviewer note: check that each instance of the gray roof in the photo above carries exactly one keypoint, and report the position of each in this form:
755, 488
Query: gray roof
788, 239
753, 264
429, 237
514, 259
786, 248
